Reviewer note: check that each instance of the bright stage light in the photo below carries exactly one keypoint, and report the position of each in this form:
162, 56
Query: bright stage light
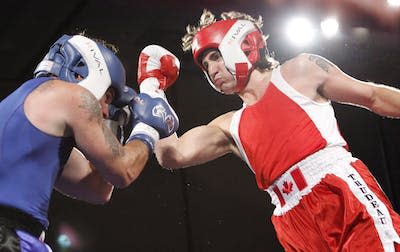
329, 27
300, 31
394, 3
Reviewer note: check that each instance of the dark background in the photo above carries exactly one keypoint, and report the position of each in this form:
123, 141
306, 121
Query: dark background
216, 206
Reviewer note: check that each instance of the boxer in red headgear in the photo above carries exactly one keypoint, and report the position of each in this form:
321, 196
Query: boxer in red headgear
287, 133
241, 45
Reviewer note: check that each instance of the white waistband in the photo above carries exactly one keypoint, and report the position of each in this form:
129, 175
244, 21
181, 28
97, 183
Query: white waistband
298, 180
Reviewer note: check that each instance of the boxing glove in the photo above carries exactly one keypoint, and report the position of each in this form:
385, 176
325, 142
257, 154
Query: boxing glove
119, 121
119, 114
152, 119
158, 69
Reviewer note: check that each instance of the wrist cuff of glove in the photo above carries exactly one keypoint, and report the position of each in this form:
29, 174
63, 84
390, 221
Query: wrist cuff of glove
146, 134
151, 86
145, 139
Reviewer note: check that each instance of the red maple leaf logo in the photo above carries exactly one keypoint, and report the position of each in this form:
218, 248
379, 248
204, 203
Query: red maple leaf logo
287, 187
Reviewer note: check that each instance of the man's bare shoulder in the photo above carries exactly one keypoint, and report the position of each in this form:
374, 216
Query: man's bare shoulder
297, 64
305, 63
306, 73
223, 121
51, 105
57, 86
61, 93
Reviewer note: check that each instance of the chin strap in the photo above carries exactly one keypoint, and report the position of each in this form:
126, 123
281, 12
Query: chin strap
242, 76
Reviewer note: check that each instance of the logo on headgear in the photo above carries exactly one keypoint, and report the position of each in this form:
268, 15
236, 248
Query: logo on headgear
238, 30
97, 60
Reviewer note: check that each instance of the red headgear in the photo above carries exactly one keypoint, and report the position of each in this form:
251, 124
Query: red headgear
239, 42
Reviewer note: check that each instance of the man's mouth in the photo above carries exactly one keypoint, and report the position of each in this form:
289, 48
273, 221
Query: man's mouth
218, 82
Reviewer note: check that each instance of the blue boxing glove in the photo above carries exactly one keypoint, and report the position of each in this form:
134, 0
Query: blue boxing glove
119, 121
119, 114
153, 118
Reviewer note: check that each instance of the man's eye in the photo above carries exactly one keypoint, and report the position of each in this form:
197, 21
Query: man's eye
216, 56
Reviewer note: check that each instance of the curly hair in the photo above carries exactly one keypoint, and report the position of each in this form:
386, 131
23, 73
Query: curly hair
207, 18
103, 42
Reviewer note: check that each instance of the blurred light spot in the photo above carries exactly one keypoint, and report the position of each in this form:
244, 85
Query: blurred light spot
300, 31
68, 237
330, 27
360, 34
394, 3
64, 241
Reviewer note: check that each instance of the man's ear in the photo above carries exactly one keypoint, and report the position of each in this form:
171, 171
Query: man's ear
110, 95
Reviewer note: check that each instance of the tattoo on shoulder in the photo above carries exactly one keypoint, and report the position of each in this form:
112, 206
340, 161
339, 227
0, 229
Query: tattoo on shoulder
112, 142
89, 103
321, 62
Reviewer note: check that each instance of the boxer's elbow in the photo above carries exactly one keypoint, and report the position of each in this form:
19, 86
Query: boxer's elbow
123, 179
106, 198
168, 159
102, 198
170, 164
100, 194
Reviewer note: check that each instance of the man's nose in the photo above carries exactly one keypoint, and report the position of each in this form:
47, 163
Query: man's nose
212, 70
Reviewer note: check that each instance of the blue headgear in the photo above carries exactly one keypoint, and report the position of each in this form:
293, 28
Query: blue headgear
71, 56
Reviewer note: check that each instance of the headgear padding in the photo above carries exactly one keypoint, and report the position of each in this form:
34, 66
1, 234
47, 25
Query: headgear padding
73, 56
239, 42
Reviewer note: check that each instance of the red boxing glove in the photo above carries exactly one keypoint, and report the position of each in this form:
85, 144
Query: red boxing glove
157, 69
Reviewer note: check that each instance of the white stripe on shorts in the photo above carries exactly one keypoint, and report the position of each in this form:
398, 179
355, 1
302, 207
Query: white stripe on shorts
375, 207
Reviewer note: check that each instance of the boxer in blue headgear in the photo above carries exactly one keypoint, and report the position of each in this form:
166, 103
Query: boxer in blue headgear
81, 60
53, 135
71, 57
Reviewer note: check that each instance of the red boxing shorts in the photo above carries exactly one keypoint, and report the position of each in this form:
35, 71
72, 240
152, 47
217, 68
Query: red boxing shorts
331, 202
